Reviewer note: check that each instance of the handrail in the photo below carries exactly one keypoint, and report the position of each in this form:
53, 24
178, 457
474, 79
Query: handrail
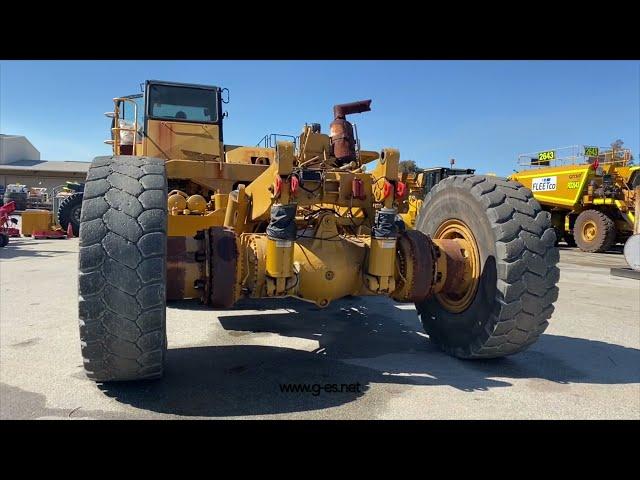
116, 129
270, 139
574, 154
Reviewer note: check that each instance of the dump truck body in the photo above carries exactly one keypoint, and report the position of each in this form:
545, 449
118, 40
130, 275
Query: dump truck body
584, 178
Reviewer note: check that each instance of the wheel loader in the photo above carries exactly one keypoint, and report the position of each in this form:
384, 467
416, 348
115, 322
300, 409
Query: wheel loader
419, 184
588, 190
177, 214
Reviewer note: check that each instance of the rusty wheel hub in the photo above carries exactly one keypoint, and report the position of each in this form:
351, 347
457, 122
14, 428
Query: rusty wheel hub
461, 263
416, 265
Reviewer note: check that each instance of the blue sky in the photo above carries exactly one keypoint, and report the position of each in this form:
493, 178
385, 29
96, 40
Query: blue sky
482, 113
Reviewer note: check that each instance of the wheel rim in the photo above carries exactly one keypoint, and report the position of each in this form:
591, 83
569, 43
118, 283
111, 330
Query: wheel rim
75, 214
589, 231
459, 301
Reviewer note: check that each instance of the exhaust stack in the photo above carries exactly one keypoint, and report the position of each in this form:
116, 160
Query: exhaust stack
341, 130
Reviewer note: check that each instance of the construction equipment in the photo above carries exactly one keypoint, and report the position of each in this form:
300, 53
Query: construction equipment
419, 184
18, 193
38, 198
589, 192
176, 214
68, 204
7, 229
63, 202
40, 224
632, 246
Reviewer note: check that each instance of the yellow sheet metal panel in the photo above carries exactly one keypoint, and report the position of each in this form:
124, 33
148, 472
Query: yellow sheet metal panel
179, 140
250, 155
34, 220
188, 225
556, 186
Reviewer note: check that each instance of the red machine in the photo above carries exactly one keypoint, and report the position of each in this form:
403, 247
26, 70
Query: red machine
6, 223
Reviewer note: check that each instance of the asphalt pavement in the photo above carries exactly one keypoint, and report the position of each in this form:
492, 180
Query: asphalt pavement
234, 363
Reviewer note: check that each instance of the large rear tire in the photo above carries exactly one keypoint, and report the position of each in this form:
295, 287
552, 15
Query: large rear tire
122, 279
516, 286
69, 211
571, 241
594, 231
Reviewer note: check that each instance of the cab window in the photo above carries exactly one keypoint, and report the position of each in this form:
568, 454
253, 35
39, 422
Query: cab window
188, 104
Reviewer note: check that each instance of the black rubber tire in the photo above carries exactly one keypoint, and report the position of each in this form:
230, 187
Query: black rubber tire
558, 233
4, 240
605, 234
122, 263
516, 244
19, 198
568, 238
70, 211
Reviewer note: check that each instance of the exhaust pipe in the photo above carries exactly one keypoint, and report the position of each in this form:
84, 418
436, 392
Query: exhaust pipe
341, 130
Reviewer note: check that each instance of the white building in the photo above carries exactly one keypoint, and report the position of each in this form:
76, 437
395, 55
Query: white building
20, 163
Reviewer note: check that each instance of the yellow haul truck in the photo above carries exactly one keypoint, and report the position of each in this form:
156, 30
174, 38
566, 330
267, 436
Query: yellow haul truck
176, 214
588, 190
418, 184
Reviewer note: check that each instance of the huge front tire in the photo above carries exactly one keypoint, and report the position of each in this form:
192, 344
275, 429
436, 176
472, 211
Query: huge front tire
122, 263
516, 257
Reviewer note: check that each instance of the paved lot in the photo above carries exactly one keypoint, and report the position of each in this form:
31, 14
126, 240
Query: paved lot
230, 363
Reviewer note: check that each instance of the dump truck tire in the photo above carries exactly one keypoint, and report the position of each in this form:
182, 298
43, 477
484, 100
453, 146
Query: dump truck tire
69, 211
594, 231
122, 263
518, 274
4, 240
569, 239
558, 236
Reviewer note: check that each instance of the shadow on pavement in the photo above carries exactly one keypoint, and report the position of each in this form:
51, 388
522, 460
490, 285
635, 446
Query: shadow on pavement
16, 248
362, 342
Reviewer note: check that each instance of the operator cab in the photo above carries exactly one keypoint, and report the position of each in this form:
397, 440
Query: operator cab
183, 102
170, 120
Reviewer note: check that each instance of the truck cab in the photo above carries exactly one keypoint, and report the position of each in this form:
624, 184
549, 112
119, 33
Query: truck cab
182, 124
170, 121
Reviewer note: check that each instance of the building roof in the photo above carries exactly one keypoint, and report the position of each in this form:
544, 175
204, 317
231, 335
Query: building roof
34, 166
16, 147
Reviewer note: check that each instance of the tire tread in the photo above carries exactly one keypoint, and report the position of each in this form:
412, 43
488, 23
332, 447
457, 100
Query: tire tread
122, 336
526, 259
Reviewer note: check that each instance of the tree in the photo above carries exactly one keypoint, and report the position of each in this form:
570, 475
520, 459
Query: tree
408, 166
619, 145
